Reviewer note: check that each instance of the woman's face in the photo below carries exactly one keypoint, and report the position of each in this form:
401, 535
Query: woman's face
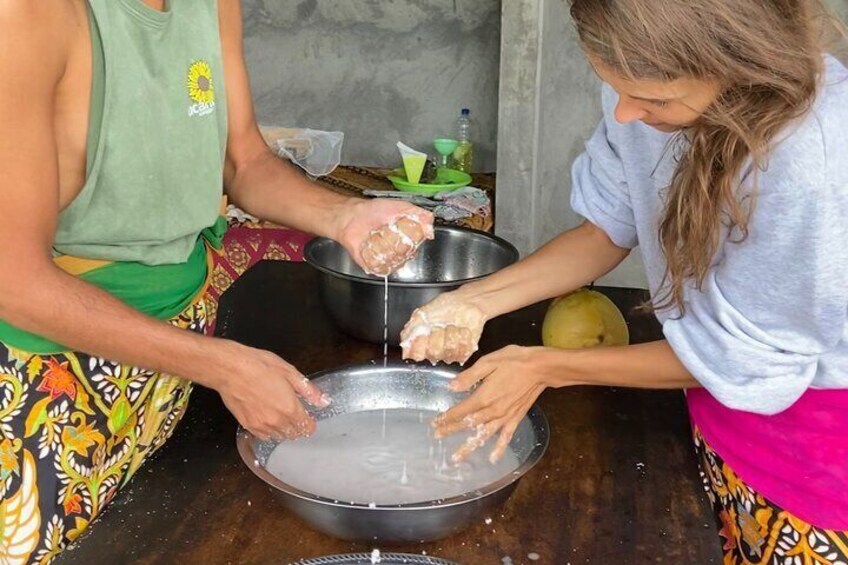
666, 106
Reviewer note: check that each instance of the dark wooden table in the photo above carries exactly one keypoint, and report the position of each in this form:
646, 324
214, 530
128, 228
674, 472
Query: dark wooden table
618, 486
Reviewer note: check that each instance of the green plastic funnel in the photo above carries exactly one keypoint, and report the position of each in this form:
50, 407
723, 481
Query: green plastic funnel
445, 147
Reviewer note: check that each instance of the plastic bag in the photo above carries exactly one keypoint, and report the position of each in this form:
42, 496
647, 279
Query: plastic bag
316, 152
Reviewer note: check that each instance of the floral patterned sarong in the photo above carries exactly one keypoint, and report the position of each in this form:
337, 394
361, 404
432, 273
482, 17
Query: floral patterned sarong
754, 531
75, 428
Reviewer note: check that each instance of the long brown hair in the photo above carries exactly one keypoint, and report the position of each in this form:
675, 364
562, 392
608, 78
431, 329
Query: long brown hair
767, 57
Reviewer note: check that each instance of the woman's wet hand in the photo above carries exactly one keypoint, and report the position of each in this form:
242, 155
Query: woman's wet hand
447, 329
508, 383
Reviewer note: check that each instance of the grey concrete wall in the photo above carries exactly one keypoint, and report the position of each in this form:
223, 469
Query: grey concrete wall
379, 70
570, 103
518, 163
549, 105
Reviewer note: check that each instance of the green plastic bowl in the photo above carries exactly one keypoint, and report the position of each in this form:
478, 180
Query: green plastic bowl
446, 179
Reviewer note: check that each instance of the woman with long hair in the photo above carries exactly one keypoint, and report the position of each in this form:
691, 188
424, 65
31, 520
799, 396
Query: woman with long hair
722, 154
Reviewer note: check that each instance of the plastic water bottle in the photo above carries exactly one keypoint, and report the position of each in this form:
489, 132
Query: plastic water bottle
463, 155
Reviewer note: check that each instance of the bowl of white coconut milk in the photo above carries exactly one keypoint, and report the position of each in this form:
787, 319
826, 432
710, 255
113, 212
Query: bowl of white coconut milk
373, 470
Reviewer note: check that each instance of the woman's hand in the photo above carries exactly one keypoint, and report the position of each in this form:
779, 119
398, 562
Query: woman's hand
447, 329
511, 381
382, 235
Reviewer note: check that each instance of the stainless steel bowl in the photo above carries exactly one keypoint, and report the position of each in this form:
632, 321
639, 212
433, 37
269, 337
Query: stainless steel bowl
369, 559
369, 387
355, 300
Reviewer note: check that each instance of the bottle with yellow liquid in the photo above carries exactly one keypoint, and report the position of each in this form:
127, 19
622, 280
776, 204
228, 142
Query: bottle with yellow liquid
463, 155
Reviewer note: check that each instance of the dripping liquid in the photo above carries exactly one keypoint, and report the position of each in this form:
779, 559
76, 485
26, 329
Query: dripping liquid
385, 321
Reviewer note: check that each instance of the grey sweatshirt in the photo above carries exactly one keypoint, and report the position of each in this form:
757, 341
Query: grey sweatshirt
769, 321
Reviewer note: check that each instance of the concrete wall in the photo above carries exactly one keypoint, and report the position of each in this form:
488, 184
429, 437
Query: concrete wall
549, 105
379, 70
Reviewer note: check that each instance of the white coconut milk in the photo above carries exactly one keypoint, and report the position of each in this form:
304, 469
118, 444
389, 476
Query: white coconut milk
384, 457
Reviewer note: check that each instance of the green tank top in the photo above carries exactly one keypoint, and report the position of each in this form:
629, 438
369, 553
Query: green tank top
157, 141
155, 152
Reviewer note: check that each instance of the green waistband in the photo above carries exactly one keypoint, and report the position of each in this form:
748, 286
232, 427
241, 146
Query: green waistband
161, 291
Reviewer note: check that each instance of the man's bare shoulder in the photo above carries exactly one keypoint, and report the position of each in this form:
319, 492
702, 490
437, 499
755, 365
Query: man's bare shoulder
52, 15
38, 33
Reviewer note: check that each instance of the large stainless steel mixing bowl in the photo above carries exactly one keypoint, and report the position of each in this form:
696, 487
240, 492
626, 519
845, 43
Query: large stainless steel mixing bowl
370, 387
355, 300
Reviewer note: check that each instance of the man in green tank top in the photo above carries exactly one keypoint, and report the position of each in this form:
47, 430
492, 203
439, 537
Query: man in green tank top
122, 124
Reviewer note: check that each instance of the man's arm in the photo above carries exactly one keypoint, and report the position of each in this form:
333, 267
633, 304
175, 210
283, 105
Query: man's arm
35, 295
265, 186
255, 179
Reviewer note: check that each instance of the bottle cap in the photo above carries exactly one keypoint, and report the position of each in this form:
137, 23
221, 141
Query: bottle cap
466, 111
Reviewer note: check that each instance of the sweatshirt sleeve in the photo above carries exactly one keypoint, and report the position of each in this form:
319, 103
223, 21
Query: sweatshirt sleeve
599, 190
775, 302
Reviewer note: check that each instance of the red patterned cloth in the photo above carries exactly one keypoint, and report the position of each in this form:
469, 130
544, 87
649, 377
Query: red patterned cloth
245, 244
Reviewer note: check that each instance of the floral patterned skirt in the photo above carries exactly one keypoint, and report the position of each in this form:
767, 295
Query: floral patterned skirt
754, 531
75, 428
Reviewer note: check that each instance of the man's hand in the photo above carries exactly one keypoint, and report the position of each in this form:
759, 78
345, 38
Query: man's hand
264, 393
382, 235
